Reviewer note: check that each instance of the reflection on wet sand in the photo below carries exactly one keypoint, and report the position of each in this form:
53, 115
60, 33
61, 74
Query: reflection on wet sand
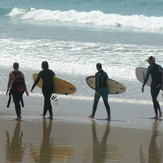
48, 151
155, 149
47, 141
99, 147
46, 148
102, 151
14, 149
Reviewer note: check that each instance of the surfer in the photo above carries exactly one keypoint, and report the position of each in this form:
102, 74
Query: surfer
16, 86
101, 90
47, 89
155, 71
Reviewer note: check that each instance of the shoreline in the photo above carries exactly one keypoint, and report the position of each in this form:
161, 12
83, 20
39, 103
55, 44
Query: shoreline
72, 137
71, 109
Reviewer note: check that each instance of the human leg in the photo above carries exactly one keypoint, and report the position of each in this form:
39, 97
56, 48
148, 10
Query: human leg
16, 98
96, 99
154, 94
107, 106
47, 103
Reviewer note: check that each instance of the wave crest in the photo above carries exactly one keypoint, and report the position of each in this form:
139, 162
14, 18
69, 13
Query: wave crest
97, 18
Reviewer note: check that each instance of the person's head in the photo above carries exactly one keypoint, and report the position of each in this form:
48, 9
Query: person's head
45, 65
151, 60
99, 66
16, 66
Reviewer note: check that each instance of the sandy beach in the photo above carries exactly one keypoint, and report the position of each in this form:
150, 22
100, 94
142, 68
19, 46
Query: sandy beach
71, 137
74, 35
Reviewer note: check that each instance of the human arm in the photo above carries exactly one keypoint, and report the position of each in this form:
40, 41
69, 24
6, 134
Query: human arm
9, 83
36, 81
97, 83
147, 76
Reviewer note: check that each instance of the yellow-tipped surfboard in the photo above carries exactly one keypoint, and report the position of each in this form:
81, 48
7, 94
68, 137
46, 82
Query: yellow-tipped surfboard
61, 86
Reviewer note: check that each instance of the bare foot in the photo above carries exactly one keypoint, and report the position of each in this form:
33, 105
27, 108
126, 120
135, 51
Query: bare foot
108, 118
160, 114
156, 117
18, 118
43, 115
51, 118
90, 116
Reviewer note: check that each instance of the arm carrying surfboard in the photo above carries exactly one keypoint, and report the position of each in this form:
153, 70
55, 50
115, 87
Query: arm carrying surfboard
61, 86
140, 75
113, 86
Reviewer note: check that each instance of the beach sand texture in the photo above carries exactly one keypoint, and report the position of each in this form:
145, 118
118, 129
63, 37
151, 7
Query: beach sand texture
73, 138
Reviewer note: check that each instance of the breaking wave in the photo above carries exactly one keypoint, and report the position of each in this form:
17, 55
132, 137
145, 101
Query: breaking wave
96, 18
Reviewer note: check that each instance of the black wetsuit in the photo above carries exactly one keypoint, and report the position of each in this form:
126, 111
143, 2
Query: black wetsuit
47, 88
17, 96
156, 74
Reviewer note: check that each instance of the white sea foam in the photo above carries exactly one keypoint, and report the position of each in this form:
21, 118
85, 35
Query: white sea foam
77, 58
97, 18
88, 98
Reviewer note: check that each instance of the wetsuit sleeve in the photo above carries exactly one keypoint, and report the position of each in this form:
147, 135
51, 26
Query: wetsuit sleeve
147, 74
97, 82
36, 81
161, 77
107, 76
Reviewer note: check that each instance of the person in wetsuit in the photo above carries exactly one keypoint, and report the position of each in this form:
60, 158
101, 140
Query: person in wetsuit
47, 88
12, 87
101, 90
155, 71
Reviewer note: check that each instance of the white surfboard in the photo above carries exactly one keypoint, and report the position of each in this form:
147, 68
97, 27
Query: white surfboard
113, 86
140, 74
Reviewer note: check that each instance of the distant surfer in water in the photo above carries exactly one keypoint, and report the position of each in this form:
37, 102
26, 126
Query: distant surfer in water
155, 71
101, 90
47, 89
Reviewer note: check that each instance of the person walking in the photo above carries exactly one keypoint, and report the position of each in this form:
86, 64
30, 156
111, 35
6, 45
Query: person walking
16, 86
47, 89
101, 89
155, 71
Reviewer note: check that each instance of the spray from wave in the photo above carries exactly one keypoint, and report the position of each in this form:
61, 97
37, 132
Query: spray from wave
96, 18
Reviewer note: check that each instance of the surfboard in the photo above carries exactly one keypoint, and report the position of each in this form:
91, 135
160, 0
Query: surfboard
113, 86
61, 86
140, 75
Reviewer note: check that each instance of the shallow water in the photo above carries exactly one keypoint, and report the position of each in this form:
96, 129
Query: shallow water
50, 141
120, 35
131, 136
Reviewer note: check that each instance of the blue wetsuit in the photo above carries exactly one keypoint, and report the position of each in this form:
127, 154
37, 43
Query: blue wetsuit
155, 71
102, 89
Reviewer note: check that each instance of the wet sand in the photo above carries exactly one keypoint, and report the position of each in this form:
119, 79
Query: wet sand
71, 137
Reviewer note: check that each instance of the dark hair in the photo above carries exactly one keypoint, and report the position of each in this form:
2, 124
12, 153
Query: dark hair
45, 65
16, 65
151, 58
99, 66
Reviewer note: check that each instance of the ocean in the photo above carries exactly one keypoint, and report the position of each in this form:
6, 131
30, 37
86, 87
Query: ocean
73, 35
